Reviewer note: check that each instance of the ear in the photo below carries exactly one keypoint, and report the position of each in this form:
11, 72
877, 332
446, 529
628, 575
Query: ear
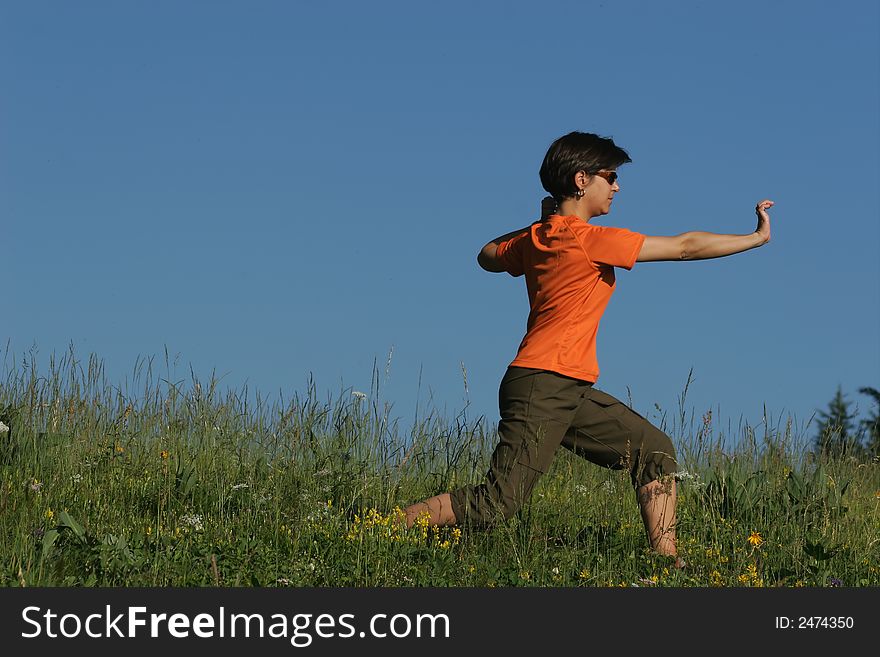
581, 179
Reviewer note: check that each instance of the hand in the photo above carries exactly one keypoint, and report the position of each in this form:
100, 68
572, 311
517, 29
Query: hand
548, 207
763, 228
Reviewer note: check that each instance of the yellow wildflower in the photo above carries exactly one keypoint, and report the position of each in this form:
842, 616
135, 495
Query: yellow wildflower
50, 514
164, 454
422, 522
755, 539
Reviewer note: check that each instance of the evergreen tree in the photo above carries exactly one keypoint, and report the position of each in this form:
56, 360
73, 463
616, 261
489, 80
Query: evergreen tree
837, 434
872, 423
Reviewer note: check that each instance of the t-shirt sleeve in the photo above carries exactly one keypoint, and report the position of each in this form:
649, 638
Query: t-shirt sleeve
509, 254
614, 247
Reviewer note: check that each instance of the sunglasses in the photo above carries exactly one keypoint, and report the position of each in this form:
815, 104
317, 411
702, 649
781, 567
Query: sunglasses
610, 176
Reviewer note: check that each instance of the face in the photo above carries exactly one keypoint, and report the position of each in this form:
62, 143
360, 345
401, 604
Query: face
599, 190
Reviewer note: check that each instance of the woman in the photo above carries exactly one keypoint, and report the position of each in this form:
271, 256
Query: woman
547, 398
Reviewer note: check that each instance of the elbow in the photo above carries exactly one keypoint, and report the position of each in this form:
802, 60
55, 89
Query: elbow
486, 259
481, 260
685, 250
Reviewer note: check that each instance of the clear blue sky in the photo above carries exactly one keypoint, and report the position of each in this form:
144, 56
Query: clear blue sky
272, 189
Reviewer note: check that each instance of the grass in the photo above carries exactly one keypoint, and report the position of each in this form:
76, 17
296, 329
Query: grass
157, 483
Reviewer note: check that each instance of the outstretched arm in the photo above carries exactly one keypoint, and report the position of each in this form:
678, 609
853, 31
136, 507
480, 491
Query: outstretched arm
486, 256
697, 245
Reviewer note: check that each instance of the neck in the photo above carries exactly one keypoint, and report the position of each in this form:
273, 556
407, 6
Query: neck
572, 207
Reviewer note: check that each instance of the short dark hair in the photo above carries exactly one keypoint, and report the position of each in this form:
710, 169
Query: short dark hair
578, 151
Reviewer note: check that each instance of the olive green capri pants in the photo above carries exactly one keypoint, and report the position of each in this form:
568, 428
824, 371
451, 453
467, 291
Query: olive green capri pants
542, 410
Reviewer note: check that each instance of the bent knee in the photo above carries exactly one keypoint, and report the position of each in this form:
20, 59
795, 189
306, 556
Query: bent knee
655, 459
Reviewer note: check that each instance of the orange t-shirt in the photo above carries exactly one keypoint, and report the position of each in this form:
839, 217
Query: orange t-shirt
569, 269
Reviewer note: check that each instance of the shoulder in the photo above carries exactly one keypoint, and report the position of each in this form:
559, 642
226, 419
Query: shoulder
606, 231
517, 241
588, 233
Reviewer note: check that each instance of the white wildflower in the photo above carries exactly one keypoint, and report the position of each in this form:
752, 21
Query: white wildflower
580, 488
192, 520
4, 428
692, 477
240, 486
77, 478
357, 394
321, 512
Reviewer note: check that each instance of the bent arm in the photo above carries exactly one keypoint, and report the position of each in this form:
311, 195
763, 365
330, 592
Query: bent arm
697, 245
486, 257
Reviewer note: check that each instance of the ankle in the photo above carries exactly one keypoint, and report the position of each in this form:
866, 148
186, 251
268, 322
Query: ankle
665, 545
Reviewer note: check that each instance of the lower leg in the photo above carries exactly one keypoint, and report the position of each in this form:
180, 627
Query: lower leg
657, 504
439, 509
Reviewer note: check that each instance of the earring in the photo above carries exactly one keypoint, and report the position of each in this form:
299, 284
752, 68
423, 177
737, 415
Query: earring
579, 193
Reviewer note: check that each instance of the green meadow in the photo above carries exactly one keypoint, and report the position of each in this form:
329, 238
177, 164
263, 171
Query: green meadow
159, 482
